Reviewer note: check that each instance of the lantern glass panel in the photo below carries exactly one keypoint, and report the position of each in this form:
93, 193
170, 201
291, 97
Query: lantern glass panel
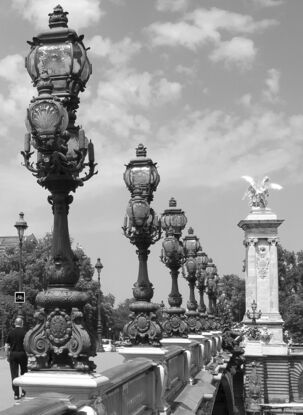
138, 211
78, 57
191, 245
86, 71
140, 176
170, 246
55, 59
31, 66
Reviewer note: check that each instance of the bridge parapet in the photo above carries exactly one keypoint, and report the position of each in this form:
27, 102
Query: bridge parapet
140, 385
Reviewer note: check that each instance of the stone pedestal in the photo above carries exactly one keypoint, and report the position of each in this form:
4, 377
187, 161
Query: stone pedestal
82, 386
261, 238
162, 358
157, 354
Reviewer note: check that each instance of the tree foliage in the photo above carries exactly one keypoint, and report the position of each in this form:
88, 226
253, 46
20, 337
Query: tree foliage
234, 290
36, 258
290, 268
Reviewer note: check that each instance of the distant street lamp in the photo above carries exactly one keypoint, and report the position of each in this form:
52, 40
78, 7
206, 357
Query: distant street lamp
254, 315
191, 246
21, 226
173, 221
2, 323
142, 227
99, 267
201, 260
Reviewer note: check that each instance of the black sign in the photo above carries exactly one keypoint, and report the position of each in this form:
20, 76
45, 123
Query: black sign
20, 297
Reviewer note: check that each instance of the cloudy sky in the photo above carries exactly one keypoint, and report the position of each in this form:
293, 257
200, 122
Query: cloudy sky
214, 91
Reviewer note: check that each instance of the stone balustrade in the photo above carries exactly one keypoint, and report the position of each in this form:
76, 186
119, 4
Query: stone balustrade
142, 385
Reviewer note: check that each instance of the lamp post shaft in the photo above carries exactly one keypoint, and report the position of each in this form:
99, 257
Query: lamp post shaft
174, 298
143, 288
20, 311
61, 240
99, 323
20, 266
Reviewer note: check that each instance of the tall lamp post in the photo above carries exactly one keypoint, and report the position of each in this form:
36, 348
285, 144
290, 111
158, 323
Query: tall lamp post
201, 261
59, 68
99, 267
142, 227
2, 323
191, 246
173, 221
211, 284
21, 226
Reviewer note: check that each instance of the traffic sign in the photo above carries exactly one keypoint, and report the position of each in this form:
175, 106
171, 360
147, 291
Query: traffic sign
19, 297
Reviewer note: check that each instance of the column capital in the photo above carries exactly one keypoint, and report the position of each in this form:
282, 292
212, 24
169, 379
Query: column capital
250, 241
273, 241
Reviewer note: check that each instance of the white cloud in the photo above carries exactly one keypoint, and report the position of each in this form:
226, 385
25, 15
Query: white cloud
124, 99
12, 67
171, 5
245, 100
202, 26
19, 92
82, 13
176, 34
166, 91
239, 51
268, 3
271, 93
117, 53
189, 71
214, 20
214, 148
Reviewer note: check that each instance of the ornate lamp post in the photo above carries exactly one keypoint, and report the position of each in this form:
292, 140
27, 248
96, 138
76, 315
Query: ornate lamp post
21, 226
99, 267
2, 323
254, 333
211, 288
59, 68
142, 228
201, 260
173, 221
191, 246
212, 277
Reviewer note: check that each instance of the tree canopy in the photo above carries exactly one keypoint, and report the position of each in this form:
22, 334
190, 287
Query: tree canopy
234, 291
290, 268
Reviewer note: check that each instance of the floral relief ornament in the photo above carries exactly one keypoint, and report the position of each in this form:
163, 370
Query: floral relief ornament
262, 260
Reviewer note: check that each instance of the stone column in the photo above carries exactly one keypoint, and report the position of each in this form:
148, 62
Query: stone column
261, 237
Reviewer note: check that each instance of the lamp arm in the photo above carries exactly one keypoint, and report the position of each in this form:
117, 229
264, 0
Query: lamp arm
29, 165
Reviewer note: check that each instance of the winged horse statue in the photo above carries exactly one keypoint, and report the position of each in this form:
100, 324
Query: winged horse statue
258, 192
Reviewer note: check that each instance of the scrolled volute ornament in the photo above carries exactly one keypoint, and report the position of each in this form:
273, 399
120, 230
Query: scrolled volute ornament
36, 344
143, 329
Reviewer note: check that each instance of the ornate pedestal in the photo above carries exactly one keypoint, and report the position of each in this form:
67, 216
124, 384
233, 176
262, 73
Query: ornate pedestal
82, 386
261, 238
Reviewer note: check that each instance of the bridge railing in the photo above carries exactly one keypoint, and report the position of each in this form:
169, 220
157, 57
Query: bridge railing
138, 386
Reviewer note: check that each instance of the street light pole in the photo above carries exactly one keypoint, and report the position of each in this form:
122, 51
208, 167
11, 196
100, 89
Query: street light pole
99, 267
143, 228
2, 323
58, 153
21, 226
